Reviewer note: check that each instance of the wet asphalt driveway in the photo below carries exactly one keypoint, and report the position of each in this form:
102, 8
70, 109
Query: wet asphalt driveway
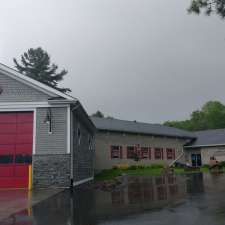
167, 200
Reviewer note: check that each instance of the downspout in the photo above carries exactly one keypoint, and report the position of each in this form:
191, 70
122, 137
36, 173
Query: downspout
72, 145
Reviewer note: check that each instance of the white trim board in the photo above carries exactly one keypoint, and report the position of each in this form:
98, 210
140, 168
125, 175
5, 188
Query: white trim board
76, 183
68, 129
21, 105
33, 83
198, 146
34, 131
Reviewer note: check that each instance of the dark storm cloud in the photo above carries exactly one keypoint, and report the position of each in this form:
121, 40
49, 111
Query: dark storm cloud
132, 59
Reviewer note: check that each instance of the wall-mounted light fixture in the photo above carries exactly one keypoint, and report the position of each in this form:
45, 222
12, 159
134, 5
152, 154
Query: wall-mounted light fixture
48, 120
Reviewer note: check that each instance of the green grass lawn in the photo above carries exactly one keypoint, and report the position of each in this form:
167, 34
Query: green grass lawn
142, 171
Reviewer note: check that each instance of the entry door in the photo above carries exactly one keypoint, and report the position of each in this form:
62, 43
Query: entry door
16, 141
196, 160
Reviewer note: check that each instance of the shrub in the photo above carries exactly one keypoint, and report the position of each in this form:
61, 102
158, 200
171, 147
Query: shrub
222, 163
157, 166
123, 166
114, 167
141, 167
205, 166
133, 167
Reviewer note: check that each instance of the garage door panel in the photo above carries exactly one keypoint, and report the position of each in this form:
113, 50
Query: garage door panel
7, 128
6, 171
23, 148
7, 149
20, 182
16, 142
7, 183
8, 118
24, 139
25, 128
21, 171
25, 117
7, 139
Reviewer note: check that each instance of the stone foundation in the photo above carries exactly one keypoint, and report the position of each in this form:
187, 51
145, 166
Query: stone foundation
51, 170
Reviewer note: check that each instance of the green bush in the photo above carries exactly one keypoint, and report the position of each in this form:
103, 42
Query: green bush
205, 166
222, 163
157, 166
133, 167
114, 168
141, 167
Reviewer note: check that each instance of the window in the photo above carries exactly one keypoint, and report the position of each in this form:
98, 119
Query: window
170, 152
130, 152
158, 153
78, 135
6, 159
145, 152
90, 142
116, 152
23, 158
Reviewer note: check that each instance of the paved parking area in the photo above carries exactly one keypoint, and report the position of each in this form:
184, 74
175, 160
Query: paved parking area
12, 201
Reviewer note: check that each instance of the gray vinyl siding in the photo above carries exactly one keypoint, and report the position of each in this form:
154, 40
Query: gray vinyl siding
16, 91
55, 143
82, 156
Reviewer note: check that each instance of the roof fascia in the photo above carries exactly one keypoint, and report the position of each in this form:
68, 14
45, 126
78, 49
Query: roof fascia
198, 146
147, 134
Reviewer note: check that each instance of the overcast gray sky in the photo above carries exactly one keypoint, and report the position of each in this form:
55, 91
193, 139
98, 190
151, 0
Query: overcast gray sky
144, 60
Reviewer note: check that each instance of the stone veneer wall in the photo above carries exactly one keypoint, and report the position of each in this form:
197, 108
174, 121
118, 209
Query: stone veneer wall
51, 170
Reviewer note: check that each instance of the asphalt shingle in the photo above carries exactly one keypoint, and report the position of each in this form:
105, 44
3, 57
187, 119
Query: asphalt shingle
116, 125
209, 137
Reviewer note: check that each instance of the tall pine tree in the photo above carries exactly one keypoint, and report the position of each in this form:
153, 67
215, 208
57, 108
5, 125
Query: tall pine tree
35, 63
208, 6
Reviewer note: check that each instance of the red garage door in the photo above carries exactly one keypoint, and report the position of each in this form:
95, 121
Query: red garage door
16, 141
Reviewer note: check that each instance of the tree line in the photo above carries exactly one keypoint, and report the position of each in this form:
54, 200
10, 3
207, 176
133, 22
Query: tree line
210, 116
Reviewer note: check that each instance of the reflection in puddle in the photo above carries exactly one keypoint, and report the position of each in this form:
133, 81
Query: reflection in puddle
137, 200
148, 190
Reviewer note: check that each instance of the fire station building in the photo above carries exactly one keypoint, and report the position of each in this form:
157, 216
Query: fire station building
44, 130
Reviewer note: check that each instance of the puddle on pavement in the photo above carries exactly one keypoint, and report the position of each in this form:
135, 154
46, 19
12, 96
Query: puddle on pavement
187, 200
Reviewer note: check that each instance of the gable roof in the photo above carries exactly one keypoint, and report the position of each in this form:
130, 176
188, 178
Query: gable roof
208, 138
34, 83
124, 126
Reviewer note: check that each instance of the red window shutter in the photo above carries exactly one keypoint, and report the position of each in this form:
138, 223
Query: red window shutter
174, 154
161, 153
149, 153
121, 152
